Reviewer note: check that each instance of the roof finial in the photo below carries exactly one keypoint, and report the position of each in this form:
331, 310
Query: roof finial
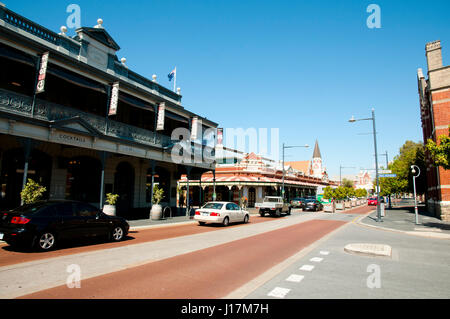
100, 22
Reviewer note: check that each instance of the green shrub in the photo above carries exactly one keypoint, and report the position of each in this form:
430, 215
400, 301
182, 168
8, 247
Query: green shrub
32, 192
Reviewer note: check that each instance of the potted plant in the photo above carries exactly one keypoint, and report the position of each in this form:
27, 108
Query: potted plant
158, 195
111, 200
32, 192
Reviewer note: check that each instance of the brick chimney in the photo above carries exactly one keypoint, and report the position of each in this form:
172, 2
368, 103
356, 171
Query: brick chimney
434, 55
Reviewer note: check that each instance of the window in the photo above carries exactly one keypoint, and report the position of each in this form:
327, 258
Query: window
229, 207
235, 207
85, 210
213, 206
64, 209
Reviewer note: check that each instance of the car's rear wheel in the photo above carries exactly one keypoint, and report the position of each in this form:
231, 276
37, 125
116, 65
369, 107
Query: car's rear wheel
201, 223
246, 218
278, 213
226, 221
262, 213
117, 233
46, 241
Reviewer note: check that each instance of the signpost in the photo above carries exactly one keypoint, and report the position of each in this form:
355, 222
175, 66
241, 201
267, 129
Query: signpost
387, 175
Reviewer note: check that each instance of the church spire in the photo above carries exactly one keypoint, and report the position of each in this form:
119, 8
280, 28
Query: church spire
316, 153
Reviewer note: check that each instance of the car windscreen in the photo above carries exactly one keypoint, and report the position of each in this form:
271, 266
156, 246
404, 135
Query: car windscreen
271, 200
213, 206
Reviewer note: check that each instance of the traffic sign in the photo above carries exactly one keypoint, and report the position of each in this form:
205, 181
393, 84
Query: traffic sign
384, 171
387, 175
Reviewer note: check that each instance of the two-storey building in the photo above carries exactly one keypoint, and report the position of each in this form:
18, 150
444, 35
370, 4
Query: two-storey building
77, 120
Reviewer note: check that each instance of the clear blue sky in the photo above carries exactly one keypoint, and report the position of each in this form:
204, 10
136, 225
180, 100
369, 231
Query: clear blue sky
302, 66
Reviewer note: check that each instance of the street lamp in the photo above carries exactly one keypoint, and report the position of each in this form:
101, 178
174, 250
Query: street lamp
376, 158
284, 147
414, 183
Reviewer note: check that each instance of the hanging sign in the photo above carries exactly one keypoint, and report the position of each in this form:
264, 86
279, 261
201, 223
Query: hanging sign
114, 99
194, 128
219, 136
42, 73
161, 115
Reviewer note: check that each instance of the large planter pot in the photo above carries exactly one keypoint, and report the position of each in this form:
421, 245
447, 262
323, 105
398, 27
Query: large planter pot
156, 212
109, 210
329, 208
348, 204
353, 203
340, 205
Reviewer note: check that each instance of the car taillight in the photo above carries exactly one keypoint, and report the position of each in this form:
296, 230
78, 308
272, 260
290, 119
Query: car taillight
19, 220
214, 214
197, 212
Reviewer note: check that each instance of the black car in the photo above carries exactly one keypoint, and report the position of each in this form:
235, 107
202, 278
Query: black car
297, 202
312, 204
43, 224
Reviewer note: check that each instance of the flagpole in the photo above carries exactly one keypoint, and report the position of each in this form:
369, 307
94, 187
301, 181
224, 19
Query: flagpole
175, 80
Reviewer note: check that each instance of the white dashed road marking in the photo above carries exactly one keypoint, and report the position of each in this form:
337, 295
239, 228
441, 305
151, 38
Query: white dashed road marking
307, 267
325, 253
316, 259
279, 292
295, 278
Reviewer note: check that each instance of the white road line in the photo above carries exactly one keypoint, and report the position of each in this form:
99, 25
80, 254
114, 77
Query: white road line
325, 253
316, 259
295, 278
307, 267
279, 292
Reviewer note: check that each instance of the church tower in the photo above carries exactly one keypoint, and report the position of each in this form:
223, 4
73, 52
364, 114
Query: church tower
316, 165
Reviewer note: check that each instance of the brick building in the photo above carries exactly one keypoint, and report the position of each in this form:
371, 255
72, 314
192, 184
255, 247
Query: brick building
434, 94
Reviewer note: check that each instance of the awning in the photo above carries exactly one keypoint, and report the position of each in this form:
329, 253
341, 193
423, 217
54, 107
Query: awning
176, 117
76, 78
17, 55
126, 98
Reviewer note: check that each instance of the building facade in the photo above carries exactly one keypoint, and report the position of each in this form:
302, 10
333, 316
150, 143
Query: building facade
79, 122
434, 98
253, 177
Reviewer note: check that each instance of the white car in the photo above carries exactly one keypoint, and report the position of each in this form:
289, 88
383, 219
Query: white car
221, 213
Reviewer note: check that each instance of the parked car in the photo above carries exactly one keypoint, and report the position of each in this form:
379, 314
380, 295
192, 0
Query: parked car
45, 223
312, 204
222, 213
373, 201
297, 202
274, 205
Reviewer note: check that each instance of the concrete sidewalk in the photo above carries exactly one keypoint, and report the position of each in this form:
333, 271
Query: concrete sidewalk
402, 219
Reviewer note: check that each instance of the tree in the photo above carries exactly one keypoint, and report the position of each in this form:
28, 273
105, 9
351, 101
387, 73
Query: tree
32, 192
328, 193
347, 183
440, 153
411, 153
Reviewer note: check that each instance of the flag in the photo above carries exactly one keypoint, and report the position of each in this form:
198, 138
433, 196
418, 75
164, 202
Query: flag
172, 74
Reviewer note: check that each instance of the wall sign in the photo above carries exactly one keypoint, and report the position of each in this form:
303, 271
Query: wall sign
114, 99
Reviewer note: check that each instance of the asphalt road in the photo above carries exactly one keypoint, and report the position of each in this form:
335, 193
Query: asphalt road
177, 261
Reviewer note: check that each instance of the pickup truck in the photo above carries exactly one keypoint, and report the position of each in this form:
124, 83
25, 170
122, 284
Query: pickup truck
274, 205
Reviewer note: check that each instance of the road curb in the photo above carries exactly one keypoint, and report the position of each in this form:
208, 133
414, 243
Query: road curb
370, 250
411, 233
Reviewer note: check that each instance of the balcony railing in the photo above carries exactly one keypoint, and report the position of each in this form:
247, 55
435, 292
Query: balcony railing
19, 104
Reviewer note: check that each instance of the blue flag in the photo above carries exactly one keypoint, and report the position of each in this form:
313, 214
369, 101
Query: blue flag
172, 74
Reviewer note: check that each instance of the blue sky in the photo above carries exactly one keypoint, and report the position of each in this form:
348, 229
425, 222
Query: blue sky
304, 67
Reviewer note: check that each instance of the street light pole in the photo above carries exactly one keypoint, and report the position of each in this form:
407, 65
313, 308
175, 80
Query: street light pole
414, 184
376, 159
284, 146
